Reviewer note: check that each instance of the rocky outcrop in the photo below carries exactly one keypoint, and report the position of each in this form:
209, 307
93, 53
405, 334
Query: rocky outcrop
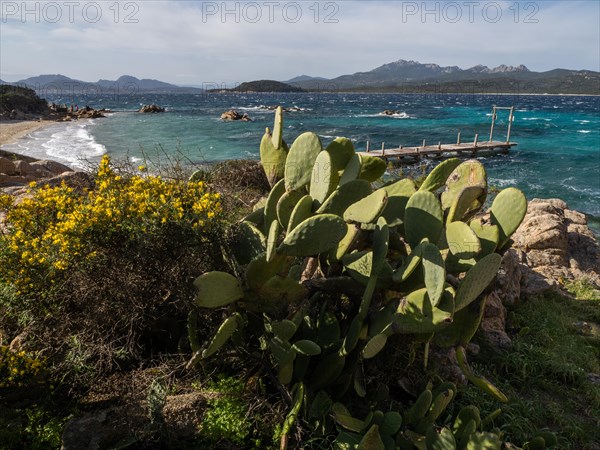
234, 115
90, 113
151, 109
552, 245
20, 172
557, 245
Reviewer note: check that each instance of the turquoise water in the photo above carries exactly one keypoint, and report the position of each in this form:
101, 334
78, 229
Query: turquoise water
558, 152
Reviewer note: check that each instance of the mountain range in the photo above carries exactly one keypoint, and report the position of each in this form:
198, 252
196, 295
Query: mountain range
398, 76
52, 84
412, 76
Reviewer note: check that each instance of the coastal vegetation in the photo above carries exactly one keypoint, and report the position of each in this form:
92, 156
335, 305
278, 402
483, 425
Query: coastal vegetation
21, 99
297, 303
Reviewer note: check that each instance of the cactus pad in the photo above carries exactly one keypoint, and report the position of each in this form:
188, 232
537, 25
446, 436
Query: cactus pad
272, 239
410, 264
284, 329
341, 150
227, 328
351, 234
434, 273
352, 169
422, 218
315, 235
307, 347
277, 128
301, 212
273, 156
438, 176
398, 195
467, 202
489, 236
259, 271
417, 315
215, 289
346, 195
371, 168
374, 346
464, 325
324, 178
371, 440
285, 206
250, 242
480, 382
507, 211
282, 290
462, 240
468, 173
271, 204
477, 279
359, 266
301, 159
368, 209
440, 440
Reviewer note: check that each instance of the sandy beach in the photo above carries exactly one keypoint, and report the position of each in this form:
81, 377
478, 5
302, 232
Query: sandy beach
12, 130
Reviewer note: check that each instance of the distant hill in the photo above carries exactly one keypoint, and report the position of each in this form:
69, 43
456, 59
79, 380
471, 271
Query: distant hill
412, 76
263, 86
52, 84
304, 78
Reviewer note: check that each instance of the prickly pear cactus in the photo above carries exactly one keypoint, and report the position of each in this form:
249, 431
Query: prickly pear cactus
273, 150
333, 267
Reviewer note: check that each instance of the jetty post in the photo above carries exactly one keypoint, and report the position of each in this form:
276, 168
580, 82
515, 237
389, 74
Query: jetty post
510, 121
493, 122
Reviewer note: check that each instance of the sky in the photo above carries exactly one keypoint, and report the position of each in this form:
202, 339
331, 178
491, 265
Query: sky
195, 43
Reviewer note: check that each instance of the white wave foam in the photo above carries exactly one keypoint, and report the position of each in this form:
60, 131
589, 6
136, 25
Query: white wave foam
70, 143
400, 115
503, 181
74, 144
584, 131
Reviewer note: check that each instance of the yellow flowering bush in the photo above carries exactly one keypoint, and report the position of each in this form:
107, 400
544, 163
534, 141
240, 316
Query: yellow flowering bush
18, 369
58, 227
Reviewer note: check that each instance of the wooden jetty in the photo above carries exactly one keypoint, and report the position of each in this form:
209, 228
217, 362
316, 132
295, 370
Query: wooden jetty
440, 150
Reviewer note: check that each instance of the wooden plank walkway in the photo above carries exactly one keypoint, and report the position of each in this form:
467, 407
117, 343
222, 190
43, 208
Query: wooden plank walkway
445, 150
441, 150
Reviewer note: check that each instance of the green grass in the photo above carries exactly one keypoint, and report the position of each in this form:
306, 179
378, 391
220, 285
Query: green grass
545, 373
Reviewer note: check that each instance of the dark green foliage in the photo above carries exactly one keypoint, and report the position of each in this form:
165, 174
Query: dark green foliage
22, 99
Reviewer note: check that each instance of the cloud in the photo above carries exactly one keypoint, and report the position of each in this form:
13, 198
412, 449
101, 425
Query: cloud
239, 41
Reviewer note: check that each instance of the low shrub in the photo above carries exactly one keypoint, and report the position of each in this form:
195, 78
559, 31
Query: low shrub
103, 276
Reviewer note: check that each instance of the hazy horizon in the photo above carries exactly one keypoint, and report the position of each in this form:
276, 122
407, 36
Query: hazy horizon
192, 43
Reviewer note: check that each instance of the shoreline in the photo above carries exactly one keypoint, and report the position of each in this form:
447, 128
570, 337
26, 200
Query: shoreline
13, 130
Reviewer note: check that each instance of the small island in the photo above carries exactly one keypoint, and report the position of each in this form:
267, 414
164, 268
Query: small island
261, 86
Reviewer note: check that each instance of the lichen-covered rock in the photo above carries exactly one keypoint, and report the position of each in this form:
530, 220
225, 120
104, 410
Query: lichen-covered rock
558, 246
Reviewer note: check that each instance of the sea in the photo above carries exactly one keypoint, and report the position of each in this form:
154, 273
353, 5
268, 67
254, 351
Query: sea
558, 151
